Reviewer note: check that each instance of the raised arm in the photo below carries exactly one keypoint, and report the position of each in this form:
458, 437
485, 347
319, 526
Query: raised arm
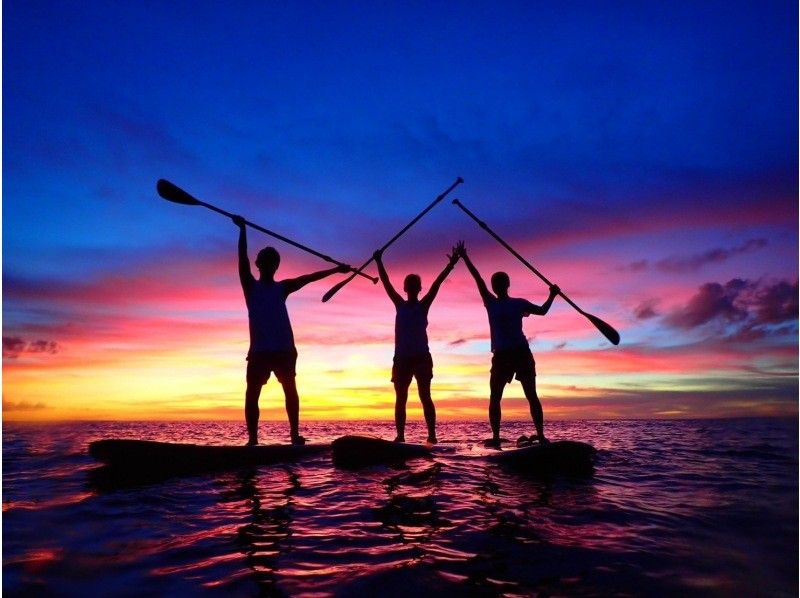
291, 285
384, 276
540, 310
245, 275
482, 289
452, 259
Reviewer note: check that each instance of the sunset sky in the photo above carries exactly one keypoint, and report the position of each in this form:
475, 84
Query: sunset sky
643, 156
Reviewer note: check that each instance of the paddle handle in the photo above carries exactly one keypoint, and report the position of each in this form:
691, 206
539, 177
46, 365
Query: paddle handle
338, 286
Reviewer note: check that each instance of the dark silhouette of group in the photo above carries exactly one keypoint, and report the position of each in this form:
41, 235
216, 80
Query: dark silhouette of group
272, 348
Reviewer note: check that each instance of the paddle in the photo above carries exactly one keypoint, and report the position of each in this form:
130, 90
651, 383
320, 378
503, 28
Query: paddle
606, 329
175, 194
337, 287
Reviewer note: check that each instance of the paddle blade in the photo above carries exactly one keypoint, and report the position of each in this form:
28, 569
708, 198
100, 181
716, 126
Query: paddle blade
173, 193
335, 288
606, 329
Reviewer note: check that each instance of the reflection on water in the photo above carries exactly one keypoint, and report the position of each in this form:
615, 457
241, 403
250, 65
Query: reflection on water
677, 508
267, 533
411, 511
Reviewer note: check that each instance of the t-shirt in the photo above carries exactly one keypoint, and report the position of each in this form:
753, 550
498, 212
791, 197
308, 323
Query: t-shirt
505, 322
270, 329
410, 329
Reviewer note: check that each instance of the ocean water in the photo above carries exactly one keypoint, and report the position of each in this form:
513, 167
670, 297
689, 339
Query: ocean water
675, 508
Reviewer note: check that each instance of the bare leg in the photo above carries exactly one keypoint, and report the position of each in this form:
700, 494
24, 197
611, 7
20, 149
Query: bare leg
529, 386
251, 411
401, 398
292, 406
496, 386
424, 388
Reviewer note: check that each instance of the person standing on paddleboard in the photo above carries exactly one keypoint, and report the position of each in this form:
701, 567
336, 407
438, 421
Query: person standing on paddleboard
412, 357
511, 354
272, 346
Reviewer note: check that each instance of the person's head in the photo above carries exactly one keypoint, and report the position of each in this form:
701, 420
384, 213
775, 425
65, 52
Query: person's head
268, 260
500, 283
412, 285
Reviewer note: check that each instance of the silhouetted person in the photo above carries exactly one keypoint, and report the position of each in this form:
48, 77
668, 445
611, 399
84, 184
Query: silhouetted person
272, 346
511, 353
412, 357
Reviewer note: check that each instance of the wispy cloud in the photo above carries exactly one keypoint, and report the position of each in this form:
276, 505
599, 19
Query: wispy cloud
646, 309
14, 346
23, 406
677, 264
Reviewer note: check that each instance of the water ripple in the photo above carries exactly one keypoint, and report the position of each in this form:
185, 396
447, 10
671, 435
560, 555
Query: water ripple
689, 508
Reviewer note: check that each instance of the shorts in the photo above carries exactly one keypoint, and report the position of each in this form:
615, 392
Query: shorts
519, 361
260, 364
418, 366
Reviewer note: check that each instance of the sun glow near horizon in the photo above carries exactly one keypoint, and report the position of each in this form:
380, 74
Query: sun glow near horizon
351, 381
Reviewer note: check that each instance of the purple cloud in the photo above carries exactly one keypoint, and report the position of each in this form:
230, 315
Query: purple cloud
754, 308
43, 346
646, 309
14, 346
777, 303
712, 302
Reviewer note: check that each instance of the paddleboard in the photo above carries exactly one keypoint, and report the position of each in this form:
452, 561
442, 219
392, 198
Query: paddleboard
147, 455
362, 451
560, 457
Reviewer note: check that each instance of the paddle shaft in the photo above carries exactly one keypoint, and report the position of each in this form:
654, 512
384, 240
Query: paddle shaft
497, 238
604, 327
188, 199
336, 288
